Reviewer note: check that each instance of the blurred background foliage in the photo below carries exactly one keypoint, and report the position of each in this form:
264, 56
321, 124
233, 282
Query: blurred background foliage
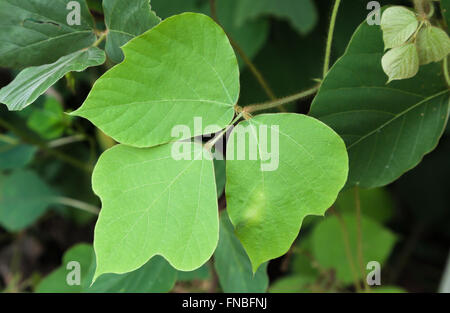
45, 154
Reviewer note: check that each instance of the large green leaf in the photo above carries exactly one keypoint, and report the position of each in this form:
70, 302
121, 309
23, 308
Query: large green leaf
233, 265
181, 69
13, 154
250, 36
329, 248
268, 202
126, 20
387, 128
24, 197
36, 32
154, 204
155, 276
34, 81
301, 14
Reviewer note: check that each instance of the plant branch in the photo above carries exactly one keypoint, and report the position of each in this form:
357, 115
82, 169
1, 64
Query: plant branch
359, 236
326, 65
348, 250
77, 204
100, 39
255, 71
213, 141
66, 158
281, 101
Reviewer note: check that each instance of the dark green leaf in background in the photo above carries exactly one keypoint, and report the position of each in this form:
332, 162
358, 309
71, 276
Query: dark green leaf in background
387, 128
24, 197
13, 154
34, 81
233, 265
126, 20
36, 32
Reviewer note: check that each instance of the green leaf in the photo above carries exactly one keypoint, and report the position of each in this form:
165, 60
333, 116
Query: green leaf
124, 27
401, 63
388, 289
268, 196
56, 281
398, 25
34, 81
36, 32
49, 121
173, 215
220, 174
181, 69
329, 248
24, 197
155, 276
302, 14
377, 203
202, 273
433, 45
14, 155
387, 129
292, 284
233, 265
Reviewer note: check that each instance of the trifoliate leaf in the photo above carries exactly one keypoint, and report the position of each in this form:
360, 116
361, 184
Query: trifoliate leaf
34, 81
183, 68
401, 63
433, 45
124, 27
280, 168
398, 25
36, 32
155, 203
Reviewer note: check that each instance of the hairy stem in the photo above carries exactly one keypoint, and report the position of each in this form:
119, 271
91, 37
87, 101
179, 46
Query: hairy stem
77, 204
281, 101
100, 39
326, 65
213, 141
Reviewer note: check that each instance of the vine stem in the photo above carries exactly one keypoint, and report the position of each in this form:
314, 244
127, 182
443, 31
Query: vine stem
255, 71
77, 204
445, 70
348, 251
100, 39
63, 157
326, 65
281, 101
213, 141
359, 236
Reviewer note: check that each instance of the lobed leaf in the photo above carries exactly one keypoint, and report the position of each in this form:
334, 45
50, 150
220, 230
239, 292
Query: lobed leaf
267, 203
181, 69
174, 214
